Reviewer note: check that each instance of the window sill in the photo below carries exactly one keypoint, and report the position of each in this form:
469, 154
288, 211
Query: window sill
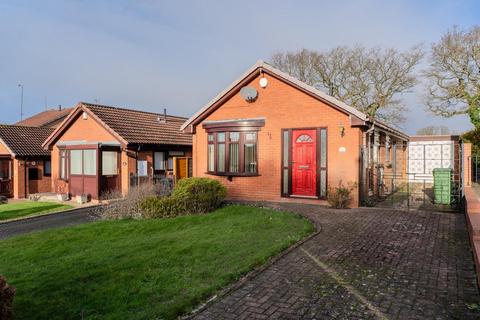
221, 174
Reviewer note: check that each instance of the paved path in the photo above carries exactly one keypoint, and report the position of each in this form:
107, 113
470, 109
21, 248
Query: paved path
364, 264
69, 218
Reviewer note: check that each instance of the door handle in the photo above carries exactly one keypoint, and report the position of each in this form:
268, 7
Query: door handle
303, 167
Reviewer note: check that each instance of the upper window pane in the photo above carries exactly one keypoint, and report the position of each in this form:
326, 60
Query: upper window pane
76, 161
251, 136
210, 137
221, 137
234, 136
90, 162
109, 163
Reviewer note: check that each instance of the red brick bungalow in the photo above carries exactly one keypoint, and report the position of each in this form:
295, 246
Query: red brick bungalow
25, 167
101, 148
269, 136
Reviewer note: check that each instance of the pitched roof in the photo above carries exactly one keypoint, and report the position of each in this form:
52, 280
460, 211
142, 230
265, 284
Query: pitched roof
262, 66
131, 126
25, 141
45, 118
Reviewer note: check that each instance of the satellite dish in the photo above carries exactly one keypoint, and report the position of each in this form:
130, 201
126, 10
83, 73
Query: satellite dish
249, 94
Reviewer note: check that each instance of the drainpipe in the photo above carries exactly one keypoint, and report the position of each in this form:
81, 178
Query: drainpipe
136, 165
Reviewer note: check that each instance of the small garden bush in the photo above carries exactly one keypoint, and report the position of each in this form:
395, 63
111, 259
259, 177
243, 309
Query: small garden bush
128, 207
340, 197
7, 293
190, 196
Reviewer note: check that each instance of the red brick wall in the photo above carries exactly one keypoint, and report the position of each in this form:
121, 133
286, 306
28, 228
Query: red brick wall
44, 184
283, 106
20, 175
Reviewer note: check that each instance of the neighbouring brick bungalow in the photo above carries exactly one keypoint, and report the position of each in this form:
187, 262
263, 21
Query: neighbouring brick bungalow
269, 136
25, 167
102, 148
47, 119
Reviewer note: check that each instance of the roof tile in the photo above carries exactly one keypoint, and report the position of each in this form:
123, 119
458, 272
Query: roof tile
140, 127
45, 118
25, 141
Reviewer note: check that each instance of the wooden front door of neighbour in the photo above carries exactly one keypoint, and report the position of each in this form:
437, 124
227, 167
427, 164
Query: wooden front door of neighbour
304, 163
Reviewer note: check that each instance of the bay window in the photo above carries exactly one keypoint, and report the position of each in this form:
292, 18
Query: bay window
232, 146
232, 153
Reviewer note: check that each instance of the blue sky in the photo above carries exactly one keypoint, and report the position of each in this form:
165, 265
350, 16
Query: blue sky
177, 54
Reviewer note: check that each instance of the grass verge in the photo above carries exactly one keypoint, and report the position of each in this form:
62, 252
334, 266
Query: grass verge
141, 269
29, 208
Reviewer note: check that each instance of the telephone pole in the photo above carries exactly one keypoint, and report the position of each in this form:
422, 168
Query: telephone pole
21, 102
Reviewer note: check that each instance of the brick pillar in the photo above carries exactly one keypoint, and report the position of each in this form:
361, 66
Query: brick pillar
467, 164
125, 172
18, 179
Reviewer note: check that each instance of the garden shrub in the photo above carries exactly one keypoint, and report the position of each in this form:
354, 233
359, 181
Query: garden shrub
7, 293
160, 207
199, 195
340, 197
127, 207
190, 196
473, 137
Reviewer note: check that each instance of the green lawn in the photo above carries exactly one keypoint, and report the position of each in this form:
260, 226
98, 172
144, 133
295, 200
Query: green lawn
27, 208
141, 269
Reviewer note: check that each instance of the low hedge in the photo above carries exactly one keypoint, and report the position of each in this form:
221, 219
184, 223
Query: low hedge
190, 196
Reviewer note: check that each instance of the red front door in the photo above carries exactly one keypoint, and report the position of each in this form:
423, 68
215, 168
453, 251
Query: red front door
304, 166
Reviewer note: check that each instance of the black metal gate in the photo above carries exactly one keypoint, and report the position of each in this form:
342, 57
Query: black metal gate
415, 187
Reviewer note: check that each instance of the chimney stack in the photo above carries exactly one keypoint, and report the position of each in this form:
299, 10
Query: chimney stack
164, 115
59, 107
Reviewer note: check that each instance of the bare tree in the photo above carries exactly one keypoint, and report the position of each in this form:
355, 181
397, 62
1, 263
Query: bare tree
370, 80
298, 64
454, 75
433, 130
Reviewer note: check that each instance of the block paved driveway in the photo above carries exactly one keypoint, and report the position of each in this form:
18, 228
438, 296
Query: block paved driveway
364, 264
